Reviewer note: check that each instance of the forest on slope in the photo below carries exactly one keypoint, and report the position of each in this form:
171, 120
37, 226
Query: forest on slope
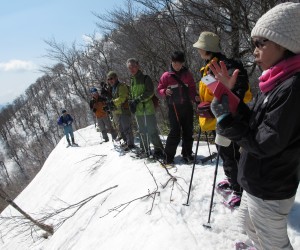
148, 30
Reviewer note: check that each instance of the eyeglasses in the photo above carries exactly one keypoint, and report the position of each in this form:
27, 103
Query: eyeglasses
260, 42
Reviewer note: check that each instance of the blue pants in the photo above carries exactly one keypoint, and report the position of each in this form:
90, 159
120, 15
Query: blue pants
68, 130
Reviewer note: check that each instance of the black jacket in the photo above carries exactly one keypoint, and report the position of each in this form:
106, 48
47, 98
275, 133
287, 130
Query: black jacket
269, 136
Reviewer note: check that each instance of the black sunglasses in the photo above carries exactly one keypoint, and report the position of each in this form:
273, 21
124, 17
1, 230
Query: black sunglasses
260, 42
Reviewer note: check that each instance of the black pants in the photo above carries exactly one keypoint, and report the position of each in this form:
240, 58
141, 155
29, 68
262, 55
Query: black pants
181, 125
230, 156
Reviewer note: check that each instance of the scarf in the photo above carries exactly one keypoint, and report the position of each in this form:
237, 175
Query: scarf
278, 73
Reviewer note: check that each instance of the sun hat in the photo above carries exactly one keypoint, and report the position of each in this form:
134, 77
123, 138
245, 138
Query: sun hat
208, 41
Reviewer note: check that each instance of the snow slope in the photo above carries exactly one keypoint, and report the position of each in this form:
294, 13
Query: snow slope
71, 175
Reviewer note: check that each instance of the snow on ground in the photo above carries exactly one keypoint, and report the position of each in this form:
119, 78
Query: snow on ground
73, 174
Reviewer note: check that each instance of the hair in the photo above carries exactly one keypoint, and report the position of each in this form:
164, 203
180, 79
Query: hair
288, 53
177, 56
213, 54
133, 61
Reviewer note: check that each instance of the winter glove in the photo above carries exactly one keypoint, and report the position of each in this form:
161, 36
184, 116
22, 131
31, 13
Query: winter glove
133, 104
111, 106
106, 108
220, 109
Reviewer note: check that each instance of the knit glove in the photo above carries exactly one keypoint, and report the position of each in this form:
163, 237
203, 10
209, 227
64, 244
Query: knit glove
220, 109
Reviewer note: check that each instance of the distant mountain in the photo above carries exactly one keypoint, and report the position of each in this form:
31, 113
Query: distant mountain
2, 105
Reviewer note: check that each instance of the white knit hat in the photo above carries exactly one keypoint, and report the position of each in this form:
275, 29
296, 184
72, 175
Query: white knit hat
281, 25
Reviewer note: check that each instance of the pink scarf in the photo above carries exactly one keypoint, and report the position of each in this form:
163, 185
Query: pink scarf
279, 72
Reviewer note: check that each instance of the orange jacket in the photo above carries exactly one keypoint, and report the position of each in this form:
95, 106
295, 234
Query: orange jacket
97, 107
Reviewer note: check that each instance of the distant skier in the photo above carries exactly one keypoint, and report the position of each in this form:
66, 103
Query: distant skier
66, 120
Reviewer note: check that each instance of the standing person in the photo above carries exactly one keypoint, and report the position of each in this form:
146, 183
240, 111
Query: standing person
141, 104
208, 46
179, 88
120, 95
66, 120
268, 133
98, 106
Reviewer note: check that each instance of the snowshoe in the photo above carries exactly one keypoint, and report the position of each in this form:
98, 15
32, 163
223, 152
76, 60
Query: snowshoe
210, 157
233, 202
243, 246
167, 164
224, 188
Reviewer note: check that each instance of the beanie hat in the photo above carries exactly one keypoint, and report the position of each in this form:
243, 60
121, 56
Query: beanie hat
64, 111
208, 41
111, 74
281, 25
93, 90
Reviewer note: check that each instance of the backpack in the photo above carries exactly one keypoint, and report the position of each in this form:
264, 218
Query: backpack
154, 98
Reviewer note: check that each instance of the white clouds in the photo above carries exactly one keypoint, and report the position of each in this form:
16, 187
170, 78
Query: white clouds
17, 65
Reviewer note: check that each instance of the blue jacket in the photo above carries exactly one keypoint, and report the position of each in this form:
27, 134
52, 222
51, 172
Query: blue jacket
66, 122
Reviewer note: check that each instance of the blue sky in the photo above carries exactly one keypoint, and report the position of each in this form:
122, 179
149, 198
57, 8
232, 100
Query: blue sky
25, 25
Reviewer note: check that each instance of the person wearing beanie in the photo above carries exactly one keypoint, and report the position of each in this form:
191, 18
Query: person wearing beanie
65, 121
99, 107
121, 112
178, 86
208, 46
268, 133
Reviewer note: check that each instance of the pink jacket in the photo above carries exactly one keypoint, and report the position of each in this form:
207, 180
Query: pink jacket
182, 93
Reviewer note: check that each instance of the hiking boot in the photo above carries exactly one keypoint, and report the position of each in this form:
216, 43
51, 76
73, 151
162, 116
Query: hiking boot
158, 154
142, 155
188, 159
106, 140
119, 138
128, 148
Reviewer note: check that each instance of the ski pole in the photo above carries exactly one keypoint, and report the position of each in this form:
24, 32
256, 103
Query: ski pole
147, 135
207, 225
78, 132
141, 136
195, 160
208, 145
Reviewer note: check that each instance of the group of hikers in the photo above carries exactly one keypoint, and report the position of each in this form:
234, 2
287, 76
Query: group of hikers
262, 160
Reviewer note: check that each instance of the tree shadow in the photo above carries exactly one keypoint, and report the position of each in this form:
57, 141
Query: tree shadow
294, 217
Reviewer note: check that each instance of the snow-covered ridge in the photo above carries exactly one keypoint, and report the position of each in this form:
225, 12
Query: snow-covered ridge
159, 221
